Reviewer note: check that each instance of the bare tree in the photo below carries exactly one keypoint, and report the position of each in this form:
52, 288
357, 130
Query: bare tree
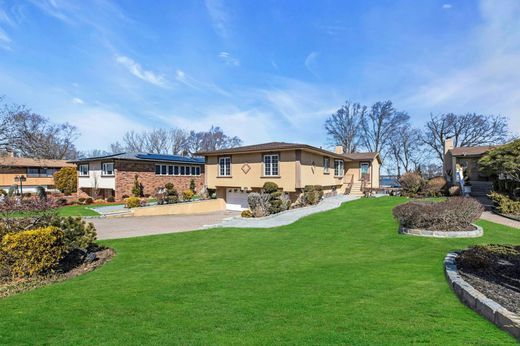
469, 129
134, 142
213, 139
379, 125
405, 148
344, 126
179, 141
117, 148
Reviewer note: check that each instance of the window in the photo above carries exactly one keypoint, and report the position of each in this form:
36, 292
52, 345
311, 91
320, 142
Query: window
164, 170
157, 169
187, 170
83, 170
33, 172
183, 170
193, 171
50, 171
326, 162
197, 170
176, 170
170, 170
339, 168
107, 168
271, 165
224, 164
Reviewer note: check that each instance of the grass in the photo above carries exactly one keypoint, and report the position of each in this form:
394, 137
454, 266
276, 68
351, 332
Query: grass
76, 210
340, 277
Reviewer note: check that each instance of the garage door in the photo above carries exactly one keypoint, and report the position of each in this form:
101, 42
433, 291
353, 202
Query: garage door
236, 199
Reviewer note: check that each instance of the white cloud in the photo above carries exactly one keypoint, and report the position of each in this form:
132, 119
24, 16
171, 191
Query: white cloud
228, 59
489, 84
309, 62
77, 101
136, 69
447, 6
184, 78
219, 16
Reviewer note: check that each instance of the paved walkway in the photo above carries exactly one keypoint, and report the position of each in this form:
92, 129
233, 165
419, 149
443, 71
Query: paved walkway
286, 217
489, 216
126, 227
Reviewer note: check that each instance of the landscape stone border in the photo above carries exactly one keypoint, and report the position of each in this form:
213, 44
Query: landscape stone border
488, 308
478, 232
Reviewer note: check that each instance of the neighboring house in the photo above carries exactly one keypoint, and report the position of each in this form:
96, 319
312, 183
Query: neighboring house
235, 172
38, 172
465, 158
113, 175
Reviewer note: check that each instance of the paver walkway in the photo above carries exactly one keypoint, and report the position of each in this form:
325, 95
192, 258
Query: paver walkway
286, 217
489, 216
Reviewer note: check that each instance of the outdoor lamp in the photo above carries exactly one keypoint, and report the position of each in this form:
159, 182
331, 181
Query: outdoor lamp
20, 179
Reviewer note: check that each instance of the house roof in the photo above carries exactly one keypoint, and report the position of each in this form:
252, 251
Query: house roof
471, 151
275, 146
145, 157
30, 162
363, 156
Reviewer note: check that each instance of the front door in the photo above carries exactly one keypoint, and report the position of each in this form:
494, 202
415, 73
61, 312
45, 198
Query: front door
363, 171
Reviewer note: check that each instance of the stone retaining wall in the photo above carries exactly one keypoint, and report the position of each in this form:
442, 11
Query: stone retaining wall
488, 308
478, 232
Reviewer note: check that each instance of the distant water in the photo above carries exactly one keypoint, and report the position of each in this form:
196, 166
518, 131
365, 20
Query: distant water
389, 181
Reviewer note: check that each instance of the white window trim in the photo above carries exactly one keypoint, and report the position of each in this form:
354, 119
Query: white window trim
326, 167
80, 173
104, 172
220, 163
269, 170
339, 170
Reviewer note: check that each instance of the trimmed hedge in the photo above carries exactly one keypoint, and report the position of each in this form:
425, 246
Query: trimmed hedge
30, 252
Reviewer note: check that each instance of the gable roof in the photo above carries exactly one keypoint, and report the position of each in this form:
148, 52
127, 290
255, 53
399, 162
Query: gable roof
471, 151
145, 157
30, 162
369, 156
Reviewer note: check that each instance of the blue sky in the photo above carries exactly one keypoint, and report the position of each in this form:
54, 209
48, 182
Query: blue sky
262, 70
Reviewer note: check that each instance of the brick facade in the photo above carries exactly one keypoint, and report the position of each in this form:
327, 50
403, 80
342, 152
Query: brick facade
125, 172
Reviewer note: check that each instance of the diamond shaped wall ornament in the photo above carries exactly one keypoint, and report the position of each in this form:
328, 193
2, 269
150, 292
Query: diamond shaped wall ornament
246, 168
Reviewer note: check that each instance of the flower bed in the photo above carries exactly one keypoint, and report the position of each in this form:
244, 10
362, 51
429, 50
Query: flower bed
456, 214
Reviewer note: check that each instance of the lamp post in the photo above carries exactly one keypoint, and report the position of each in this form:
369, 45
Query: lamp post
20, 179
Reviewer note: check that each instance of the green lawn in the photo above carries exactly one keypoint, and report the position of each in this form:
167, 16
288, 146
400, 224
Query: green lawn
76, 210
339, 277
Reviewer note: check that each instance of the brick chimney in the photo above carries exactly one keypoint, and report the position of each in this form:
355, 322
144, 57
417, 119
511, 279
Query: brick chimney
339, 149
448, 144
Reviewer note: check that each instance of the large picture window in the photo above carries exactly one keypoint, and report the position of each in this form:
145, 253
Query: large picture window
224, 164
271, 165
171, 170
339, 168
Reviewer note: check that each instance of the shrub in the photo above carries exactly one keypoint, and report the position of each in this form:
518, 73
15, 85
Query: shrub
125, 196
193, 187
169, 186
270, 187
89, 200
133, 202
259, 203
99, 201
17, 214
454, 214
40, 192
3, 192
33, 251
81, 200
137, 189
411, 183
77, 234
187, 195
484, 257
246, 213
454, 190
505, 205
111, 199
312, 194
436, 186
66, 180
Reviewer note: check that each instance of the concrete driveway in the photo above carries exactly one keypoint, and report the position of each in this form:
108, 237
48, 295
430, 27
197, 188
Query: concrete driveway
126, 227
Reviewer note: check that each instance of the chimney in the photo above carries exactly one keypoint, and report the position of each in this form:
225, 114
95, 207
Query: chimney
339, 149
448, 144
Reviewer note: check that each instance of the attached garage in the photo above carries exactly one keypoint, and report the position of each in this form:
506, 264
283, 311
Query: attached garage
236, 199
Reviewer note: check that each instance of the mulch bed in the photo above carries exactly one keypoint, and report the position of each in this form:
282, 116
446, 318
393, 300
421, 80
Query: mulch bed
496, 283
11, 287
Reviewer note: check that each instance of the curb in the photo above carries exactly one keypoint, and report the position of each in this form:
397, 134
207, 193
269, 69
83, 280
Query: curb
494, 312
478, 232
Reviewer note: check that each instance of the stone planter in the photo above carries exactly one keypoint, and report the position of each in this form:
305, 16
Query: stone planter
477, 232
488, 308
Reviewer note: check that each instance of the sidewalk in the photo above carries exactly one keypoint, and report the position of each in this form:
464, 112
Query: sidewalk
489, 216
286, 217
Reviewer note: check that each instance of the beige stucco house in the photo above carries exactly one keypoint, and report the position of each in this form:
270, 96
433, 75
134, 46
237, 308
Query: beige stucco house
235, 172
464, 158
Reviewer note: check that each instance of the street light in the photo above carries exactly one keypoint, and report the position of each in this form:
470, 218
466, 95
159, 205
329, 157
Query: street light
20, 179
